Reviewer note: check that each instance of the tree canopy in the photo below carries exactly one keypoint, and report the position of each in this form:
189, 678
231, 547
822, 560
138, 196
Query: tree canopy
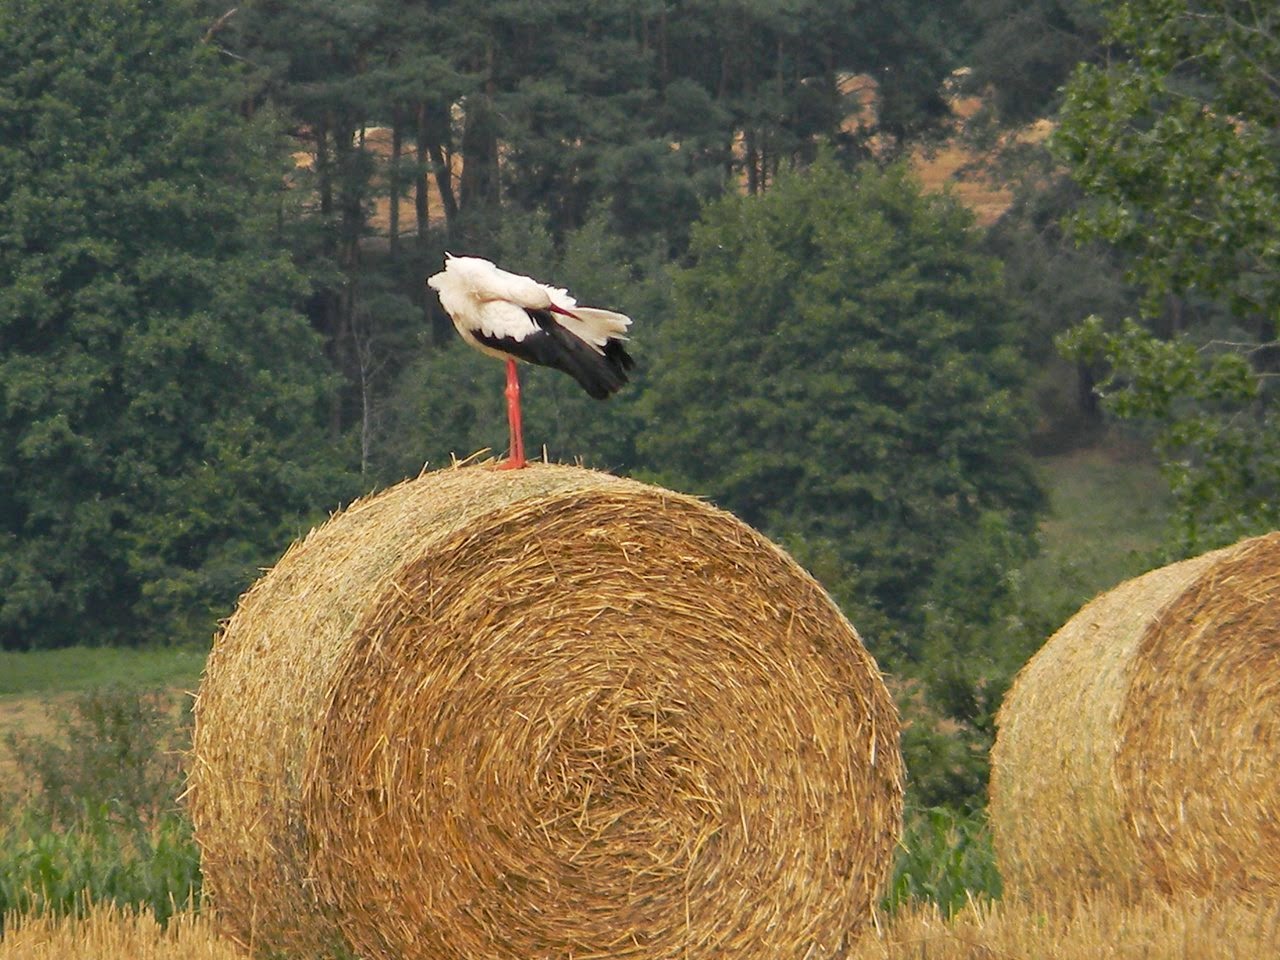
159, 393
839, 371
1024, 50
215, 223
1176, 145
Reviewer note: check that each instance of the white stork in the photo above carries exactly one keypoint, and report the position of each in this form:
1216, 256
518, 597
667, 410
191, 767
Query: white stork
513, 317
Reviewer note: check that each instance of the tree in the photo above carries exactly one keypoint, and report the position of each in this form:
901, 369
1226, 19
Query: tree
327, 66
1024, 51
1176, 145
637, 112
159, 393
839, 371
1055, 282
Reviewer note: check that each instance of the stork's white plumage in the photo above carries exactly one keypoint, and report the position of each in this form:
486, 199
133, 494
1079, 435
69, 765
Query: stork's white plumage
514, 317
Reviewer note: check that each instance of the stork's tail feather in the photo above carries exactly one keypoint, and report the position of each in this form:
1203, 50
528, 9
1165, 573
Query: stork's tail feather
600, 374
603, 323
618, 357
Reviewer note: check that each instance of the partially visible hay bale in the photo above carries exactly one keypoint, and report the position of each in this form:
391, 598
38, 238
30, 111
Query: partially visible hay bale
1140, 748
539, 714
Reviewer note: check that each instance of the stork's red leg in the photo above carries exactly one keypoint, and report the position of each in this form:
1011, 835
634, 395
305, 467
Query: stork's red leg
515, 456
513, 408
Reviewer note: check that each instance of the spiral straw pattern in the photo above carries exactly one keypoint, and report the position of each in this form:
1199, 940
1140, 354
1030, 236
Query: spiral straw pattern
546, 713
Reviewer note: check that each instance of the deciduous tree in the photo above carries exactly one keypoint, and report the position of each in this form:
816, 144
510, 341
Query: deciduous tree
840, 371
159, 393
1176, 144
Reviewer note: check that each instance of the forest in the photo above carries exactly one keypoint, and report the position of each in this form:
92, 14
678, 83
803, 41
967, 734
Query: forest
216, 223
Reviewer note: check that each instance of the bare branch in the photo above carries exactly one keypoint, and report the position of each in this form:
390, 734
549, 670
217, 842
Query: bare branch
1242, 346
218, 25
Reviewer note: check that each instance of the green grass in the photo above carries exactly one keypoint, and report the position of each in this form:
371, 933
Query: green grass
93, 860
1107, 522
944, 858
85, 668
90, 812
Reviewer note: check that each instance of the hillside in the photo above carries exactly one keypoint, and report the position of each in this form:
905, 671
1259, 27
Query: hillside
954, 165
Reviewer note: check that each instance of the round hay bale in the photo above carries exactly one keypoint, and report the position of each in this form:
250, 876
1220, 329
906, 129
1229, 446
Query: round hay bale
1139, 749
541, 714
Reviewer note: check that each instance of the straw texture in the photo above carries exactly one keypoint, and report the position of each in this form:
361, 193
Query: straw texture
1138, 750
546, 713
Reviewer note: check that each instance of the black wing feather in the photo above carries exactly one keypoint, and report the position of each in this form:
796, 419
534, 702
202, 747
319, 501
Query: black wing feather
554, 346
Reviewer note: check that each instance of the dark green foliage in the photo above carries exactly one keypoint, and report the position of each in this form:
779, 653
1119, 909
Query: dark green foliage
1175, 144
1216, 422
945, 858
158, 393
98, 819
638, 106
633, 107
840, 372
1024, 51
1054, 282
973, 640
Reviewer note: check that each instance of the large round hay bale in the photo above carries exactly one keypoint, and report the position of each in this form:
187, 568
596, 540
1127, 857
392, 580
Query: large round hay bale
1140, 748
546, 713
